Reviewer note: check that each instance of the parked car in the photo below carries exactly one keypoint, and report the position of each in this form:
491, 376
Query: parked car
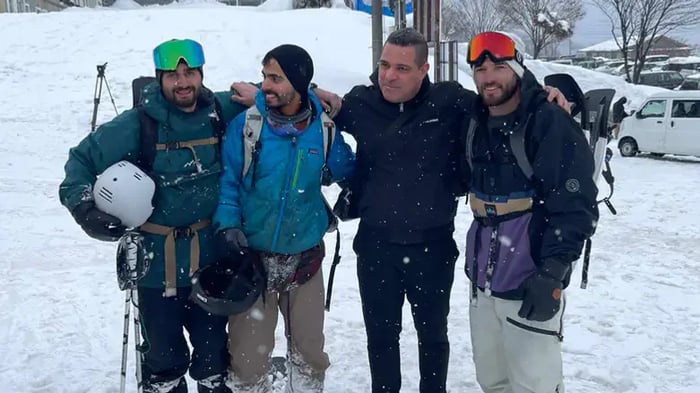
667, 79
666, 123
691, 82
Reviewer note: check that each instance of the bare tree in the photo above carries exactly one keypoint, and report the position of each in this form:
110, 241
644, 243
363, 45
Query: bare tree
462, 20
544, 22
640, 23
621, 14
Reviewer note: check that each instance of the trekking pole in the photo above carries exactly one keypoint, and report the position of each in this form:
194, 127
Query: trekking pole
137, 339
132, 264
125, 340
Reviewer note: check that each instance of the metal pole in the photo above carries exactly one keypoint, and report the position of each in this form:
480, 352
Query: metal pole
125, 340
137, 338
377, 32
400, 14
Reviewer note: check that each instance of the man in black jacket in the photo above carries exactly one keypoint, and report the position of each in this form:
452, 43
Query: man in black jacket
406, 188
407, 185
618, 114
534, 203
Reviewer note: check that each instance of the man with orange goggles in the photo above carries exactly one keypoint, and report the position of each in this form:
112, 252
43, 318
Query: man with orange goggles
530, 183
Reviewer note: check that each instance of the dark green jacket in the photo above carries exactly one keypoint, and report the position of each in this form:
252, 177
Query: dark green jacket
183, 195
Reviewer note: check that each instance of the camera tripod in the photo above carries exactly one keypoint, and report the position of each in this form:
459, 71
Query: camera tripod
98, 94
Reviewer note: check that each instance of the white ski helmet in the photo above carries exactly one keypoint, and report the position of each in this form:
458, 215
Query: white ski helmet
125, 191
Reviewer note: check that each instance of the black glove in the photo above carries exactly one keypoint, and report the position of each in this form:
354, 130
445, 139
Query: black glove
231, 243
542, 298
98, 224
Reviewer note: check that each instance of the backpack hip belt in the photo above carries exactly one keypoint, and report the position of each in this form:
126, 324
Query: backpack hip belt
171, 234
482, 208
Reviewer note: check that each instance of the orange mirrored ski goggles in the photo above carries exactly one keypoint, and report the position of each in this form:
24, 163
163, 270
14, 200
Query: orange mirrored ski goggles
498, 46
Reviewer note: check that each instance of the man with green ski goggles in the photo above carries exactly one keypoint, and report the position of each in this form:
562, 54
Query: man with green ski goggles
167, 55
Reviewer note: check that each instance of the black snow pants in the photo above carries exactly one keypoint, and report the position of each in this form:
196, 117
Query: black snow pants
422, 272
166, 355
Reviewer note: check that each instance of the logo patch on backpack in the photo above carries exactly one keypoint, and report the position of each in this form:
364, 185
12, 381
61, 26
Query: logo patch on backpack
313, 151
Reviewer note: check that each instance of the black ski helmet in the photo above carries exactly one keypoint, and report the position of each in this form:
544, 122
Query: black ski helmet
224, 290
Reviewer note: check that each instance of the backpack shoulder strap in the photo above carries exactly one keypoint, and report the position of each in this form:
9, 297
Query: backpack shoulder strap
251, 137
147, 141
328, 134
517, 145
469, 143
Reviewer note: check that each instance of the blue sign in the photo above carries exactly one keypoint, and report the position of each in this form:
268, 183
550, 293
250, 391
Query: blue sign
366, 6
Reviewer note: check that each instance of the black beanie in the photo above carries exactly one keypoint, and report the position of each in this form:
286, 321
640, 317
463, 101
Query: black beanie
296, 64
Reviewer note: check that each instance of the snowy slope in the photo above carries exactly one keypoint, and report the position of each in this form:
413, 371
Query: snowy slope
634, 330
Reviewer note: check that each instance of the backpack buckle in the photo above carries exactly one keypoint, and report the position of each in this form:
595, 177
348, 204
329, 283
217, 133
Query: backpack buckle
183, 232
172, 145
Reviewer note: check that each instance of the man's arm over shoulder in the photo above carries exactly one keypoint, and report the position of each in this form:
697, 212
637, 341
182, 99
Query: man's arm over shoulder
112, 142
228, 212
458, 97
563, 166
354, 104
229, 108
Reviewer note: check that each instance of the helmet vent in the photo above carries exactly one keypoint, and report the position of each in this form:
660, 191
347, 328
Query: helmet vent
105, 194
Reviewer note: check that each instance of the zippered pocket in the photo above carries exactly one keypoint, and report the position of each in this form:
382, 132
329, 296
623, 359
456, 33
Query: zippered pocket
537, 330
297, 167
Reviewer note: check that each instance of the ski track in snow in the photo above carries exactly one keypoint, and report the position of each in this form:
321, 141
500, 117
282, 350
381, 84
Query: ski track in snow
635, 329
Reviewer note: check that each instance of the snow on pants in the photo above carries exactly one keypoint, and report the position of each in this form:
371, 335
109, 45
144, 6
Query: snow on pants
252, 339
166, 354
423, 273
513, 354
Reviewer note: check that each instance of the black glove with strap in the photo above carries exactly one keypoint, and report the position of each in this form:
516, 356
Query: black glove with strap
231, 243
96, 223
542, 298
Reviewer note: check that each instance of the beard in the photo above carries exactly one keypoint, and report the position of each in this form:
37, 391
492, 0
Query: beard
182, 102
507, 91
278, 100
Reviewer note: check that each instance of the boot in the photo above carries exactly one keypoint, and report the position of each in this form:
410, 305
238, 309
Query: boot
213, 384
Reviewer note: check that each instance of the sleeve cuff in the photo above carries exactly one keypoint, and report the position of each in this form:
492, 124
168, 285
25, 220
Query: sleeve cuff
556, 269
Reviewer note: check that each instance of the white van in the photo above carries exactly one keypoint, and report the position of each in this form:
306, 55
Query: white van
666, 123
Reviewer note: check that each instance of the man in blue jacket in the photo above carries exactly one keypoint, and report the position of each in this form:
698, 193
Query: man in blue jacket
275, 156
534, 203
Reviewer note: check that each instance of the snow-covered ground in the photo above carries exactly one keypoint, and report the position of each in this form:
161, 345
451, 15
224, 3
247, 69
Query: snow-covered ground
635, 329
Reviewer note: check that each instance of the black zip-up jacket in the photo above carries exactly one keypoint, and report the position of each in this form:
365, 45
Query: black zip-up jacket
407, 177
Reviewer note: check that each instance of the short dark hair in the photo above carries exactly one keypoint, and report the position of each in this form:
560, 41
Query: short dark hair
410, 37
